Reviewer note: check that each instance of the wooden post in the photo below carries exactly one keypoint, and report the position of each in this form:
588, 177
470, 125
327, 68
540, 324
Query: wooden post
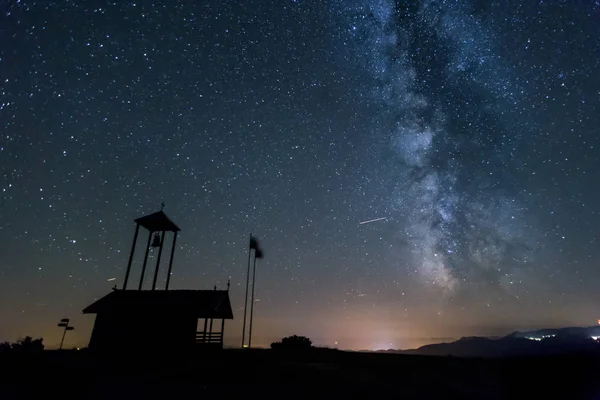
222, 330
145, 260
246, 297
162, 242
252, 302
63, 337
204, 333
171, 261
135, 236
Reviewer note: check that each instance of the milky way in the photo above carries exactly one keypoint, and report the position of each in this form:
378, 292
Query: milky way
467, 131
456, 221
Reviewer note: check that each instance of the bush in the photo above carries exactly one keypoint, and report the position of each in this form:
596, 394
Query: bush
25, 345
292, 343
5, 347
29, 345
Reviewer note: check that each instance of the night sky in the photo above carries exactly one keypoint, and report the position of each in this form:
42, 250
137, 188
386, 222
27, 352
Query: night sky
471, 128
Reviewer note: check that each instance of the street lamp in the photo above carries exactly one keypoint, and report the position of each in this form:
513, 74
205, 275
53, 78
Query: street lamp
64, 323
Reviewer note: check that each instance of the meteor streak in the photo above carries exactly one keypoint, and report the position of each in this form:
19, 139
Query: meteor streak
372, 220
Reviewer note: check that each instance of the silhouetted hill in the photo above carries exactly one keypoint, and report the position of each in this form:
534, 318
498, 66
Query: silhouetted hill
589, 331
540, 342
478, 347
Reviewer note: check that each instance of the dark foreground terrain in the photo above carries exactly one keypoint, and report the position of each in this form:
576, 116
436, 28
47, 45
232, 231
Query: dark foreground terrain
314, 374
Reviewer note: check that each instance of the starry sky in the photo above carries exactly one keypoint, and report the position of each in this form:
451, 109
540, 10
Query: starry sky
470, 129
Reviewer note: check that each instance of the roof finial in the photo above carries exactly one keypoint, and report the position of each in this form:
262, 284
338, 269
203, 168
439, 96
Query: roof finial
162, 205
215, 287
229, 284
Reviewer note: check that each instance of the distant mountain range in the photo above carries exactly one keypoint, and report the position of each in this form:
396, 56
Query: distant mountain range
540, 342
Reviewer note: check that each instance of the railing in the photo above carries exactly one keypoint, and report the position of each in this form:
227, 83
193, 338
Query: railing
209, 337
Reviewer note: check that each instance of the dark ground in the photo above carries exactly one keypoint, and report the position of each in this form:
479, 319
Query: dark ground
315, 374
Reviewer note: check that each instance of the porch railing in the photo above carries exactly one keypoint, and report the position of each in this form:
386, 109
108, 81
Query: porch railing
209, 337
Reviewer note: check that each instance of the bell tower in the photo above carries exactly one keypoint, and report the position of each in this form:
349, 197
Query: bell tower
157, 225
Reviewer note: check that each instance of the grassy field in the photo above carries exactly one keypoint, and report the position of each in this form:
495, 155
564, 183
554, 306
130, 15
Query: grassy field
315, 374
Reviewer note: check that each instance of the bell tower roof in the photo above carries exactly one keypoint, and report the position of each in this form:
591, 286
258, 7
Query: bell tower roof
157, 221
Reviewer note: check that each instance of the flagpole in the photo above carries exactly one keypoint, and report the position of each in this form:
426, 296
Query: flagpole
246, 296
252, 301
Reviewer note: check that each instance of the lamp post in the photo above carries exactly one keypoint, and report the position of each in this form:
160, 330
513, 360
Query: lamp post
64, 323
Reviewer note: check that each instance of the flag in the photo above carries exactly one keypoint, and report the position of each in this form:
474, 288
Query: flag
253, 243
258, 253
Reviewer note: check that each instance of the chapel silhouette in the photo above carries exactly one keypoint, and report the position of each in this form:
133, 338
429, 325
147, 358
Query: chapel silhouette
152, 318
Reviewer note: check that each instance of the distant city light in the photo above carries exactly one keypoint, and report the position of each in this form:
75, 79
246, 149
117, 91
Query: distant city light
538, 338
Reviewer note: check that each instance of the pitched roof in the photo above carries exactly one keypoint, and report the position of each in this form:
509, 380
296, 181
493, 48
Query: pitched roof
201, 303
157, 221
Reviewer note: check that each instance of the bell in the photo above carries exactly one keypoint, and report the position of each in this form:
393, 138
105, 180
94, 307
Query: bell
156, 241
